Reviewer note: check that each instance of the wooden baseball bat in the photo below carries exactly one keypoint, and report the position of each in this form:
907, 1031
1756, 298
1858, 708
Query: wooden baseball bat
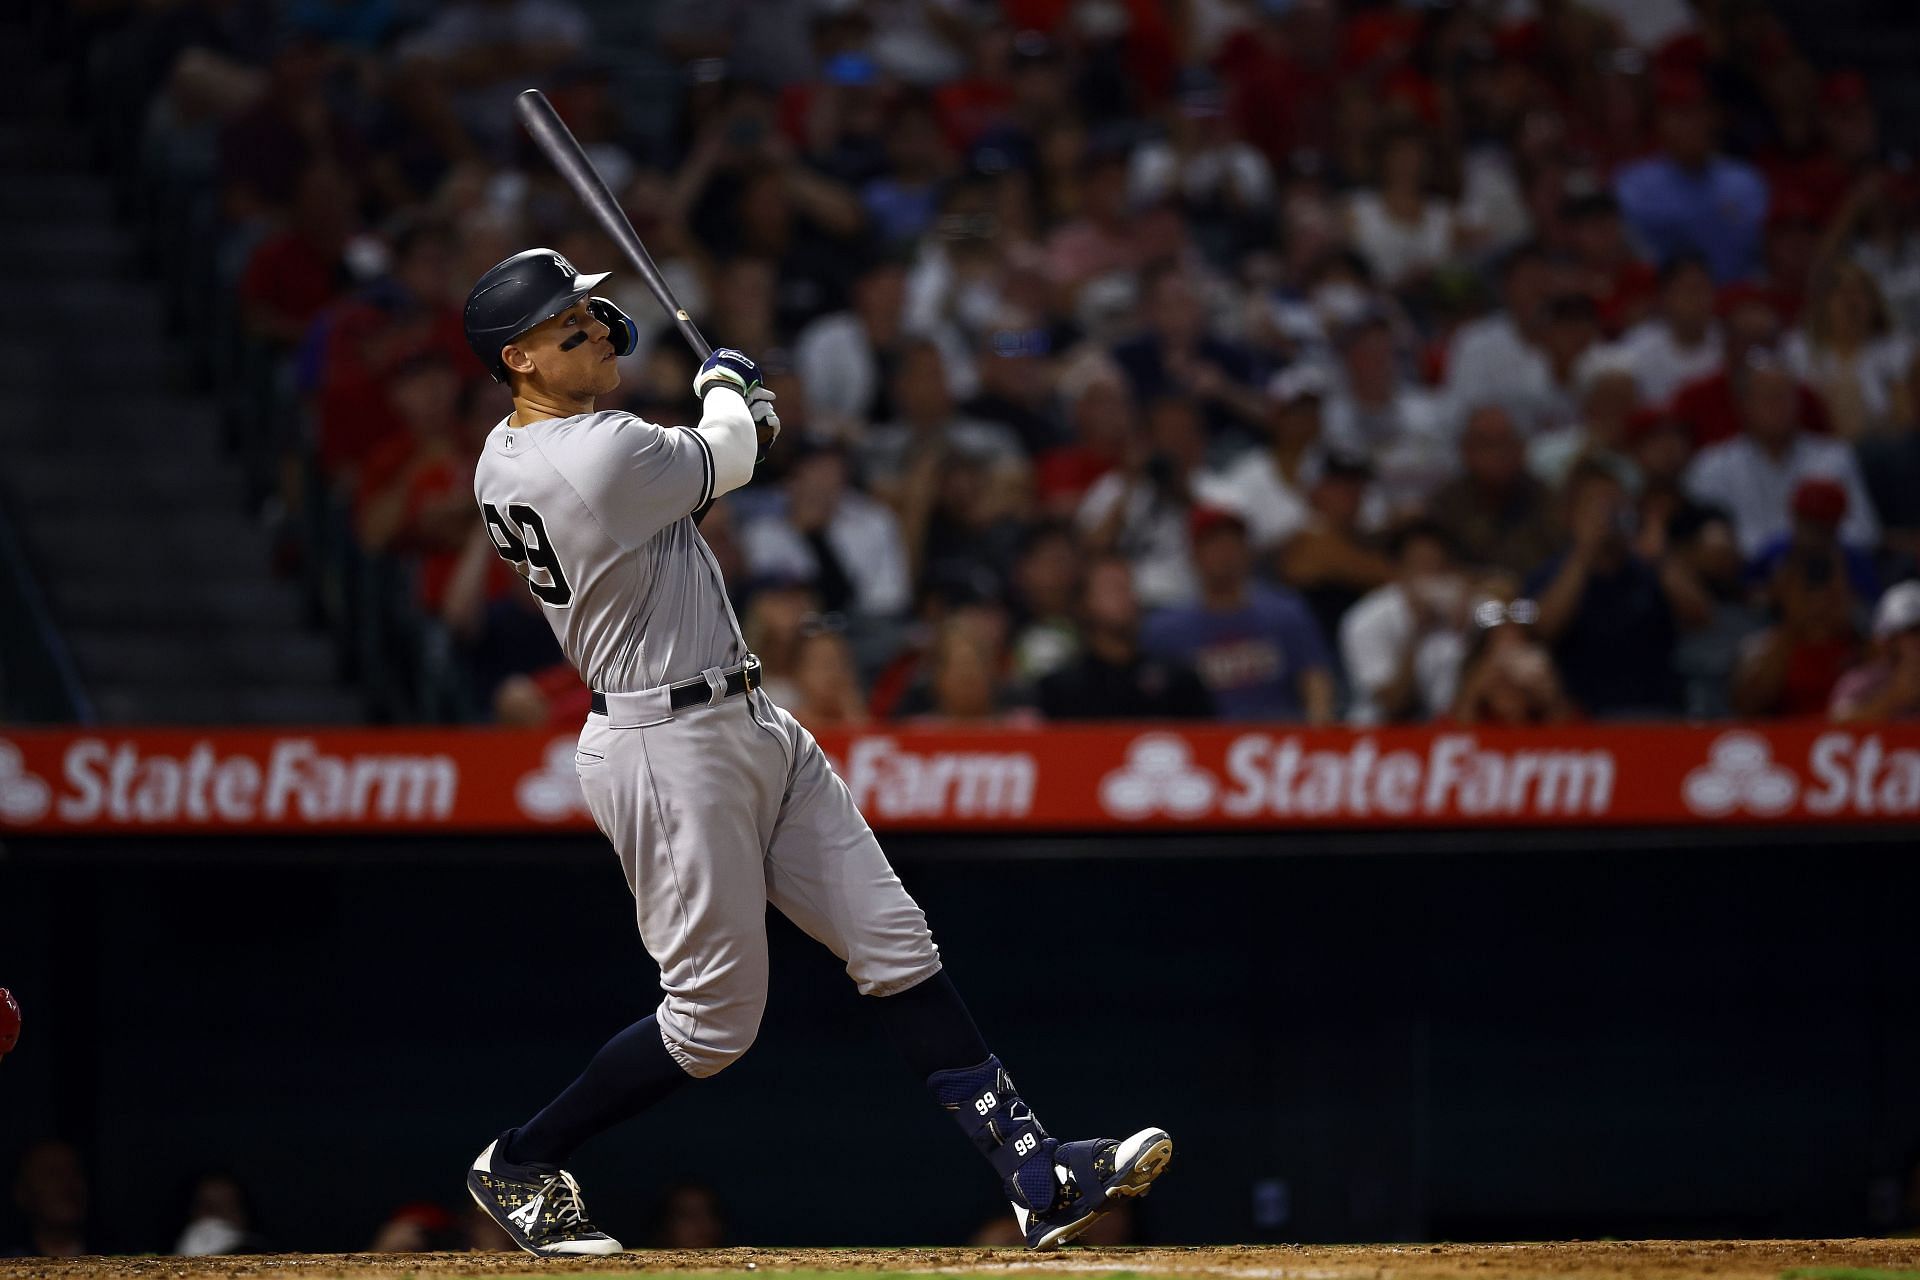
557, 141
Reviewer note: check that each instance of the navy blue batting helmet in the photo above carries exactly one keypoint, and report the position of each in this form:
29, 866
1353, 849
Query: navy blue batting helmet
517, 294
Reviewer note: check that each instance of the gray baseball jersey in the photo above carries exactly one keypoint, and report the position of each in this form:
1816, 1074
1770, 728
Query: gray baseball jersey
594, 511
717, 810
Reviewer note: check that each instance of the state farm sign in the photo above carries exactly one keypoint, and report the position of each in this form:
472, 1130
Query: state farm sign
1061, 778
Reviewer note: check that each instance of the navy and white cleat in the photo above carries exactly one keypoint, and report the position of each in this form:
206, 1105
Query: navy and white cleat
537, 1204
1092, 1178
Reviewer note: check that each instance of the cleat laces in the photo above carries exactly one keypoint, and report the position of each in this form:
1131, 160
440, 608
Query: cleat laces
559, 1197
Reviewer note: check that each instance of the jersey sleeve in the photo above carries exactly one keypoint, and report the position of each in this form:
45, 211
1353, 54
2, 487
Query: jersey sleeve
635, 477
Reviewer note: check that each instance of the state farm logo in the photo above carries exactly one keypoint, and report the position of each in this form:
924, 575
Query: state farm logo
1159, 774
552, 792
1740, 773
893, 782
24, 798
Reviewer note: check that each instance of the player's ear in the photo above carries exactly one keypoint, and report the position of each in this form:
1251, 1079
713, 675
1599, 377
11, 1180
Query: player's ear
517, 359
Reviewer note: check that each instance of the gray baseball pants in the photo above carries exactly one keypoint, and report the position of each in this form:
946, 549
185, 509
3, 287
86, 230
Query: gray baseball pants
715, 812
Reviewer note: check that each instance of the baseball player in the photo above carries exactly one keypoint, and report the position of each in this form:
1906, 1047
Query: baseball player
715, 799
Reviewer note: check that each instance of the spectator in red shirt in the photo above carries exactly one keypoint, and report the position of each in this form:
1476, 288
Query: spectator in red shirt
1709, 406
416, 495
293, 274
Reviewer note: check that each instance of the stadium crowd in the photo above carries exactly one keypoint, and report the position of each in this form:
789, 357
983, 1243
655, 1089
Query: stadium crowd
1299, 360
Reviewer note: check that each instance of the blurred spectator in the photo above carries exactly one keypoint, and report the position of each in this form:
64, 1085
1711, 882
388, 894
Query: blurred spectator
420, 1227
1496, 514
1402, 644
1507, 677
1710, 406
1046, 586
1609, 396
689, 1217
1602, 610
1175, 355
1501, 358
1679, 343
1268, 487
964, 682
926, 425
1333, 560
1706, 582
1818, 509
1890, 465
823, 532
1107, 236
1141, 511
1791, 667
1888, 686
1376, 410
1690, 199
1848, 353
50, 1191
1753, 475
777, 615
825, 686
293, 274
1256, 648
218, 1219
481, 1234
473, 57
416, 489
1111, 679
1101, 414
1400, 227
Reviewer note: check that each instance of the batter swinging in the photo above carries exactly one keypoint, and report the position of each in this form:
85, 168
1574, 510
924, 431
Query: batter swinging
715, 799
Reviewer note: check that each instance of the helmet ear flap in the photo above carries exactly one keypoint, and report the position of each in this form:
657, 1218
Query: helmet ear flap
624, 334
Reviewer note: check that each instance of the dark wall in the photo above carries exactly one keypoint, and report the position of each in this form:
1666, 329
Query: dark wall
1536, 1038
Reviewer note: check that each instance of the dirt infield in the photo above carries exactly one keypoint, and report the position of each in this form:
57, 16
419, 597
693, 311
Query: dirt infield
1603, 1260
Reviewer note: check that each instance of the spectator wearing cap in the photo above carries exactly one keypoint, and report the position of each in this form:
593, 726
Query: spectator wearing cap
1754, 475
823, 532
1174, 354
1268, 487
1112, 679
1603, 263
1140, 511
1401, 644
1200, 161
1496, 514
1706, 583
1819, 511
1710, 406
416, 490
1888, 686
1689, 198
1375, 409
1852, 357
1603, 611
1791, 667
1333, 558
1256, 648
1680, 342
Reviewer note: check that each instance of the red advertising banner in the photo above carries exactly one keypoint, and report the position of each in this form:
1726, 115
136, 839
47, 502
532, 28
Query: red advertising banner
1061, 778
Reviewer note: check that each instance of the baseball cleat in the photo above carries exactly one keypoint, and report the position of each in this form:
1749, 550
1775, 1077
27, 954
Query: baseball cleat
1093, 1177
537, 1204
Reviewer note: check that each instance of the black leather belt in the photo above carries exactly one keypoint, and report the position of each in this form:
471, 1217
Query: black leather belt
696, 693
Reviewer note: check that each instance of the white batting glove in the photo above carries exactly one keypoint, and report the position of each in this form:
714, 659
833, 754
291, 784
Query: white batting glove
760, 405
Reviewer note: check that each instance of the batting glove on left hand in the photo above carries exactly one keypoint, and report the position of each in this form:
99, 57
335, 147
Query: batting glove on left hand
760, 405
726, 368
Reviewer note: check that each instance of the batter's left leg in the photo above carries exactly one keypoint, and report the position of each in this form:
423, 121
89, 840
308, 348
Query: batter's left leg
827, 873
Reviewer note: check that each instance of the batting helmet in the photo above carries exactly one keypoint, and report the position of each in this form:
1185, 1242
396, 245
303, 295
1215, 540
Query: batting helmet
515, 295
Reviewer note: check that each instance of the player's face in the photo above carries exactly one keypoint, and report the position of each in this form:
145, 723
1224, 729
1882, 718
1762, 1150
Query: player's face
570, 355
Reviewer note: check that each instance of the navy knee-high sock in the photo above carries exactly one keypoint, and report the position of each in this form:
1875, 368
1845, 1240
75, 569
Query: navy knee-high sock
631, 1072
930, 1024
937, 1036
